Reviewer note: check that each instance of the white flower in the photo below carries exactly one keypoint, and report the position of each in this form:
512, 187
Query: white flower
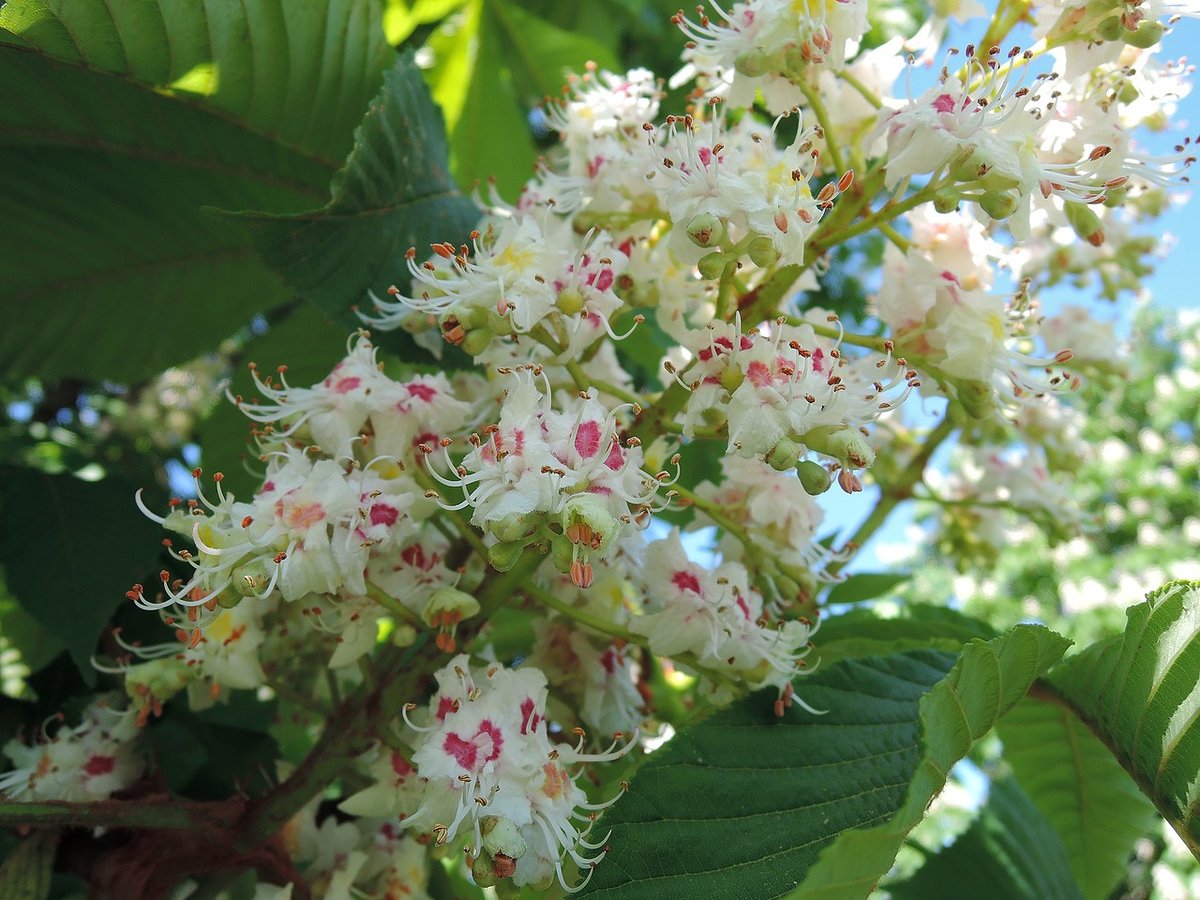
716, 616
484, 757
85, 763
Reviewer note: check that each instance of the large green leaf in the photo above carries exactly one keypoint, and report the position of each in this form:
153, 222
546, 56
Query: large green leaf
862, 632
71, 549
987, 681
1079, 788
743, 804
394, 193
1138, 692
1009, 853
119, 122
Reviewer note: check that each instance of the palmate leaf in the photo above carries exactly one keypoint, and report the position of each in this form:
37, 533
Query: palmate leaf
745, 805
119, 123
1139, 694
1079, 788
394, 192
1009, 853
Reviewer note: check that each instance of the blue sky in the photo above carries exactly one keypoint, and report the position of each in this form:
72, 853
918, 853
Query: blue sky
1174, 284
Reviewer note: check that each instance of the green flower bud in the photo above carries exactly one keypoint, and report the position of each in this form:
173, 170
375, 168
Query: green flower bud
228, 599
404, 635
249, 580
705, 229
783, 455
476, 341
945, 200
587, 522
562, 551
732, 378
1085, 222
570, 301
448, 602
152, 683
1111, 29
712, 265
504, 555
500, 835
846, 445
976, 398
1146, 35
762, 251
998, 204
481, 871
814, 477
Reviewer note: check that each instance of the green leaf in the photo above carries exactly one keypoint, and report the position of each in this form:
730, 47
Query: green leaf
72, 549
742, 804
1138, 692
22, 632
26, 873
1009, 853
393, 193
119, 122
987, 681
1079, 788
494, 64
865, 586
862, 632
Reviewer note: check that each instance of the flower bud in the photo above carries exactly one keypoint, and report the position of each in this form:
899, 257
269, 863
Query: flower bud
249, 580
404, 635
587, 522
481, 871
1111, 29
152, 683
446, 604
998, 204
846, 445
705, 229
504, 555
476, 341
762, 251
783, 455
976, 398
570, 301
711, 265
731, 378
1085, 222
500, 835
814, 477
945, 200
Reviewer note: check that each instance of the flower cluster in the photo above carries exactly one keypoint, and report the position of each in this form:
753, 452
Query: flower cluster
484, 768
687, 321
89, 761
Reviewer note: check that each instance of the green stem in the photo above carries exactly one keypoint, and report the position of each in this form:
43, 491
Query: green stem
175, 815
394, 606
814, 102
583, 382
